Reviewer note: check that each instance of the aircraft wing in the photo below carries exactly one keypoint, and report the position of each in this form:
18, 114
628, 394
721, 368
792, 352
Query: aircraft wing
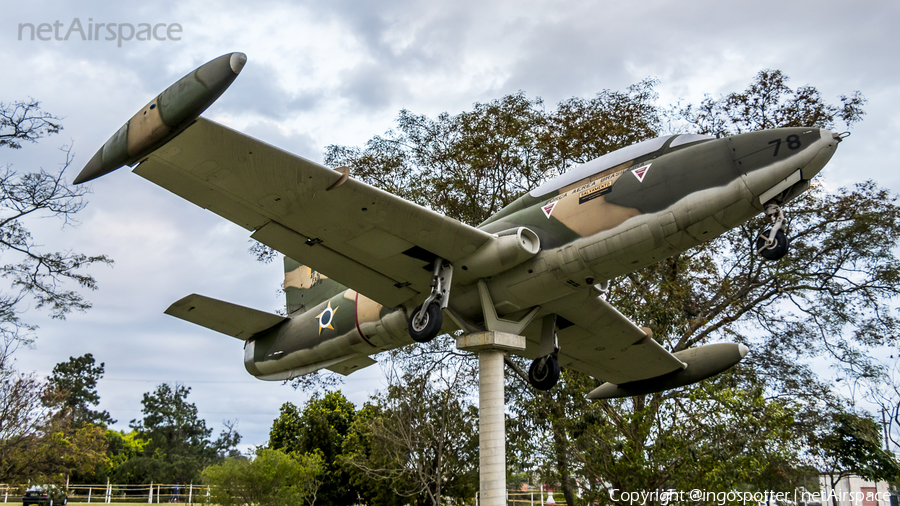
358, 235
598, 340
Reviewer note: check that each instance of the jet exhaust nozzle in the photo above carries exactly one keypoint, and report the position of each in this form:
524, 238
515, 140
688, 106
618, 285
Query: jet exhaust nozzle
165, 116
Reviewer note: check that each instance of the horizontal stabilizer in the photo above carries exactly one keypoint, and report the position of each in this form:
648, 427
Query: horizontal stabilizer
702, 362
236, 321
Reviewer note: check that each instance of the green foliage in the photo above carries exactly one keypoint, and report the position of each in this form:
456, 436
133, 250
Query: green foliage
76, 381
320, 428
272, 478
121, 447
471, 165
770, 103
418, 440
361, 446
35, 439
177, 440
711, 436
750, 428
851, 445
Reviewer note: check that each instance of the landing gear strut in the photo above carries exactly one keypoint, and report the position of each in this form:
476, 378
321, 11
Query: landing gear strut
427, 318
772, 244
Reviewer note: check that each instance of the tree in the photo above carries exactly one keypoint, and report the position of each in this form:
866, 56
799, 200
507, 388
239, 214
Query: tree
320, 428
827, 299
471, 165
883, 390
35, 443
419, 439
273, 478
788, 312
770, 103
22, 416
36, 275
178, 445
32, 441
120, 448
851, 445
76, 381
360, 445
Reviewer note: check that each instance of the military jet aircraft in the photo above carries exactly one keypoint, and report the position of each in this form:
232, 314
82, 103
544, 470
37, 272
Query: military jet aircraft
366, 271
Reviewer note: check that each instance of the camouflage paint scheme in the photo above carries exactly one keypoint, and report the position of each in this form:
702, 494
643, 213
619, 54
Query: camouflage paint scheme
365, 257
331, 321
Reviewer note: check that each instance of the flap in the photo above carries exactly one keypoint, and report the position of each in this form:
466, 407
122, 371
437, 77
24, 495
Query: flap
598, 340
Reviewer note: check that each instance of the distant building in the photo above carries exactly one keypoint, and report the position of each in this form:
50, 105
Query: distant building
849, 491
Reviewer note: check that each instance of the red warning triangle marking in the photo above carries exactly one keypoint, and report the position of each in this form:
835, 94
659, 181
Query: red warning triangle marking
549, 208
640, 172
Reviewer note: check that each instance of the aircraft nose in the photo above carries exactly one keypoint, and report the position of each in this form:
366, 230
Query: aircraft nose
822, 150
775, 160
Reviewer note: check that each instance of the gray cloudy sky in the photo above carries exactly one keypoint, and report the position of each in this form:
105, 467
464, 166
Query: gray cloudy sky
338, 72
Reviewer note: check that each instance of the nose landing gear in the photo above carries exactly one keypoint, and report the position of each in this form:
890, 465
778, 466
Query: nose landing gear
772, 244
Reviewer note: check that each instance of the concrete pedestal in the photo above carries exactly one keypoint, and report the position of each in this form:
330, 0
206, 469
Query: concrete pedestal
491, 409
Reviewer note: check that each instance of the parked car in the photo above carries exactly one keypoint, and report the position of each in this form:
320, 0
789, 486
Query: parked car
50, 495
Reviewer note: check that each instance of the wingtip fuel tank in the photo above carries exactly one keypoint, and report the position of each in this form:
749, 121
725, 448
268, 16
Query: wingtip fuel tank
701, 363
165, 116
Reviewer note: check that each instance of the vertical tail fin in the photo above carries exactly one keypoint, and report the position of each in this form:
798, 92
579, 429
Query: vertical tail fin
305, 288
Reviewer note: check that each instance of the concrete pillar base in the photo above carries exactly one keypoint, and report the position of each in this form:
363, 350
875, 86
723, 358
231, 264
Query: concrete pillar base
491, 409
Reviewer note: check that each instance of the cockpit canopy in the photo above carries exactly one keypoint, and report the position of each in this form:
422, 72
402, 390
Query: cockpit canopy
615, 158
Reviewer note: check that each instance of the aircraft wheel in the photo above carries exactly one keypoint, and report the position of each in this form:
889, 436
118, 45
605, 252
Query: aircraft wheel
775, 251
544, 372
427, 327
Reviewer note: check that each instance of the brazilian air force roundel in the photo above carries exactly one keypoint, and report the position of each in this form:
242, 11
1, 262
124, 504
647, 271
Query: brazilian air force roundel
326, 317
640, 172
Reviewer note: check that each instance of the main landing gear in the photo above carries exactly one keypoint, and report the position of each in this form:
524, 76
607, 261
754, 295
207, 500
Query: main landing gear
772, 244
426, 323
427, 318
544, 371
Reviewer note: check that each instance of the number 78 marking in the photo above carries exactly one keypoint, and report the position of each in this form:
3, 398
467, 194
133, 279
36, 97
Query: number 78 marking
793, 142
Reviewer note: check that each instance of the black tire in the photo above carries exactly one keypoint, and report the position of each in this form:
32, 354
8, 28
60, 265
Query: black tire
544, 376
429, 327
775, 251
